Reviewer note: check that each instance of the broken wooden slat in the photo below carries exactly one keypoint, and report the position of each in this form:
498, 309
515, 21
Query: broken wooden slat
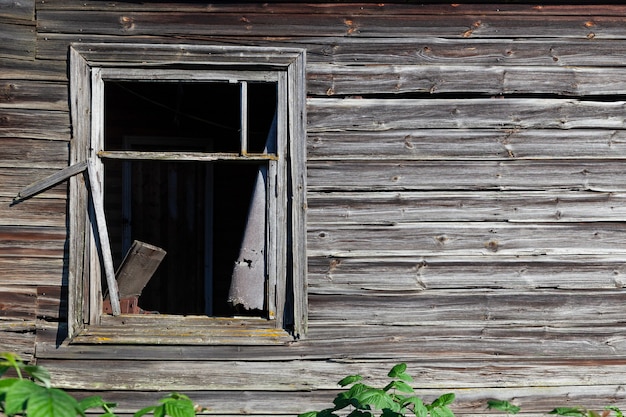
103, 236
50, 181
140, 263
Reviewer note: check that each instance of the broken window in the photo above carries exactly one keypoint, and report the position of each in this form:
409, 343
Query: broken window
199, 170
209, 216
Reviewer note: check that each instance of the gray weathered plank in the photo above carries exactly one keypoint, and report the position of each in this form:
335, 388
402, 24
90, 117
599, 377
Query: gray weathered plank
328, 115
469, 144
364, 275
477, 239
531, 399
40, 70
34, 124
389, 208
476, 175
325, 53
35, 270
41, 153
479, 308
36, 95
139, 22
17, 40
32, 241
375, 78
470, 341
34, 212
17, 10
305, 375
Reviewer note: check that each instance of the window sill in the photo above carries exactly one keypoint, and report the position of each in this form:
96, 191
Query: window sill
178, 330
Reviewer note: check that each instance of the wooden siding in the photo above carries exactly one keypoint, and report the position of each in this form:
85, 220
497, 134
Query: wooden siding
466, 190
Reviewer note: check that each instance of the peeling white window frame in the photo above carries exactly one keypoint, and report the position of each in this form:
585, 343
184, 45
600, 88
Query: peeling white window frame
91, 66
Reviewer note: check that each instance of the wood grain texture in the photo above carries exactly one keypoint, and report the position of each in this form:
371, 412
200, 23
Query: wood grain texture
477, 175
468, 144
17, 319
300, 375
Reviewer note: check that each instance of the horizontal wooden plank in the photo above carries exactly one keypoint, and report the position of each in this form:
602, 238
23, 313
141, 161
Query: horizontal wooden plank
389, 208
17, 10
23, 241
34, 124
468, 144
471, 308
139, 22
33, 212
41, 70
363, 8
336, 69
308, 375
35, 152
367, 275
531, 399
328, 341
521, 175
18, 302
46, 270
176, 330
18, 337
326, 52
328, 115
450, 78
120, 54
477, 239
17, 41
30, 94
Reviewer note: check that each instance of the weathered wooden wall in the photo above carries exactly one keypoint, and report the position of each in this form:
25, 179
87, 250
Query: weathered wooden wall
467, 182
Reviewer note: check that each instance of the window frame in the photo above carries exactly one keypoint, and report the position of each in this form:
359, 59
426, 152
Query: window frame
91, 65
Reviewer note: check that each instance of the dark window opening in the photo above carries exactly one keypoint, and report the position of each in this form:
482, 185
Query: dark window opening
196, 210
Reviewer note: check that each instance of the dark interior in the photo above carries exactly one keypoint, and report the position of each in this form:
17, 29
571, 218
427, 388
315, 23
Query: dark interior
194, 210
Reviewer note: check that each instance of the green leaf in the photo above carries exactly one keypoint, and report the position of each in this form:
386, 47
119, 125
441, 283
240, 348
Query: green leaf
39, 373
618, 412
360, 413
11, 360
180, 408
443, 400
568, 411
399, 371
309, 414
349, 380
18, 395
442, 411
419, 409
146, 410
377, 398
400, 386
390, 413
93, 402
7, 383
349, 397
51, 402
503, 405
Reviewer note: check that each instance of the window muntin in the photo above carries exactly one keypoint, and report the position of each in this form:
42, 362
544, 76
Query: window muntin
284, 304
